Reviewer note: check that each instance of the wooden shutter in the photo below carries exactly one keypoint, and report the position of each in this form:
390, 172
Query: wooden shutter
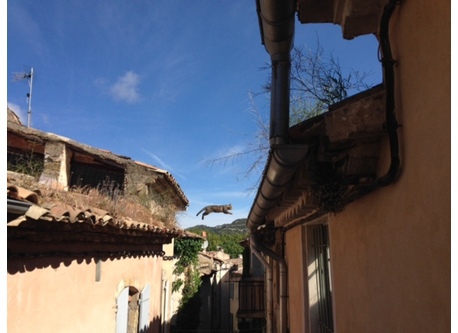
122, 311
143, 322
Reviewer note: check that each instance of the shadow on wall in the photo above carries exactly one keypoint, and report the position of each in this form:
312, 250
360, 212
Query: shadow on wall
187, 318
23, 264
154, 326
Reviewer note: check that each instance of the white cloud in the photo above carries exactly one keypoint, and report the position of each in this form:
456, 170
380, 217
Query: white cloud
126, 88
160, 162
22, 114
163, 165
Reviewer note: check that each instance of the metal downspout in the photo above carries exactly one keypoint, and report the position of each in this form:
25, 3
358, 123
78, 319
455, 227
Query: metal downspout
165, 318
388, 65
276, 24
276, 21
279, 100
268, 286
391, 123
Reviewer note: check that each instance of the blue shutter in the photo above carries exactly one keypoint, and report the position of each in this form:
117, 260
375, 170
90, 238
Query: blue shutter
143, 320
122, 311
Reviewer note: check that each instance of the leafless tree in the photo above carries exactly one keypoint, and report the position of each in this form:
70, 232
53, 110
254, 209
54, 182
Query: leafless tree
317, 81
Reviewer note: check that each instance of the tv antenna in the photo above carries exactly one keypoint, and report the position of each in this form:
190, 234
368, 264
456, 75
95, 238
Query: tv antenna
29, 77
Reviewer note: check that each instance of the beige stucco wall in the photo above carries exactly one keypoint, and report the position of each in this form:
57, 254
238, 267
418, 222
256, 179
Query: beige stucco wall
170, 300
234, 301
68, 298
390, 251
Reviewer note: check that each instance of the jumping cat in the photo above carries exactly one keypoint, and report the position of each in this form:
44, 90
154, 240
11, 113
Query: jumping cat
215, 209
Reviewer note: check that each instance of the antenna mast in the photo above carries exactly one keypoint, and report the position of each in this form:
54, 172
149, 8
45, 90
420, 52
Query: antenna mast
29, 76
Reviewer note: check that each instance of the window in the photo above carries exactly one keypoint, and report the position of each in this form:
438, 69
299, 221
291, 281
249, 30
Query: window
28, 163
144, 320
96, 175
319, 284
132, 310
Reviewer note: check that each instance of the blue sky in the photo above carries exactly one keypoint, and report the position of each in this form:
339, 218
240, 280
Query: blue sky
164, 82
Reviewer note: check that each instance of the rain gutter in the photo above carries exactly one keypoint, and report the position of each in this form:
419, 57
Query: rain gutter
17, 207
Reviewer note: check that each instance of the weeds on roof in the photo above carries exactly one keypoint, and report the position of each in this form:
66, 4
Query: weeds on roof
140, 208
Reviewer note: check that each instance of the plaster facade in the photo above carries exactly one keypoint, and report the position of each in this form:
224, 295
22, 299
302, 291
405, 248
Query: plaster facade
67, 297
391, 250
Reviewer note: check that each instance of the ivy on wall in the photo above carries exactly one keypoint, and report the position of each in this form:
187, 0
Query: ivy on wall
187, 250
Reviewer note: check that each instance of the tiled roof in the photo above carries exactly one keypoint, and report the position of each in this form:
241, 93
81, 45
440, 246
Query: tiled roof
188, 234
13, 116
21, 194
237, 266
54, 211
31, 134
168, 176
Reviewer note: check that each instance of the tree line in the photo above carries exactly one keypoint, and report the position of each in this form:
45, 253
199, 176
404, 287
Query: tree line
228, 242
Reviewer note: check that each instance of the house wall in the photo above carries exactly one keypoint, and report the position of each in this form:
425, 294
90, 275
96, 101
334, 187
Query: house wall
225, 295
208, 297
170, 300
67, 298
215, 295
390, 251
234, 300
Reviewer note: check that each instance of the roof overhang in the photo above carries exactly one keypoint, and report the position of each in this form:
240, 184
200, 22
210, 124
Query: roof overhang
344, 151
343, 147
356, 17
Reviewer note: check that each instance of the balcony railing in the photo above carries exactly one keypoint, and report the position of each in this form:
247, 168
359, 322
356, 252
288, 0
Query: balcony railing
251, 299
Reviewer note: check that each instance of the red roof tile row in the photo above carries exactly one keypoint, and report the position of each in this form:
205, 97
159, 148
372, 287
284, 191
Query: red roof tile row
54, 211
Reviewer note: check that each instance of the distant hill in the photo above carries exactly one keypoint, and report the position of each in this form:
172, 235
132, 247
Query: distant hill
236, 227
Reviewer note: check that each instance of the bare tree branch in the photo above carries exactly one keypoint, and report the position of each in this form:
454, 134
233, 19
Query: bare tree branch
317, 81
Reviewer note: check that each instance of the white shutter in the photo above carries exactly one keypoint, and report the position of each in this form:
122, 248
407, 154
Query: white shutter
143, 321
122, 311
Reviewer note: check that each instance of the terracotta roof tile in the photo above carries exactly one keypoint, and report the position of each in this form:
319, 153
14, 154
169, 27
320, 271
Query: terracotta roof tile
20, 193
54, 211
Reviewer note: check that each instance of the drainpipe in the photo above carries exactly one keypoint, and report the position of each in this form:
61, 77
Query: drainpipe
165, 316
276, 23
388, 65
268, 286
258, 246
391, 124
